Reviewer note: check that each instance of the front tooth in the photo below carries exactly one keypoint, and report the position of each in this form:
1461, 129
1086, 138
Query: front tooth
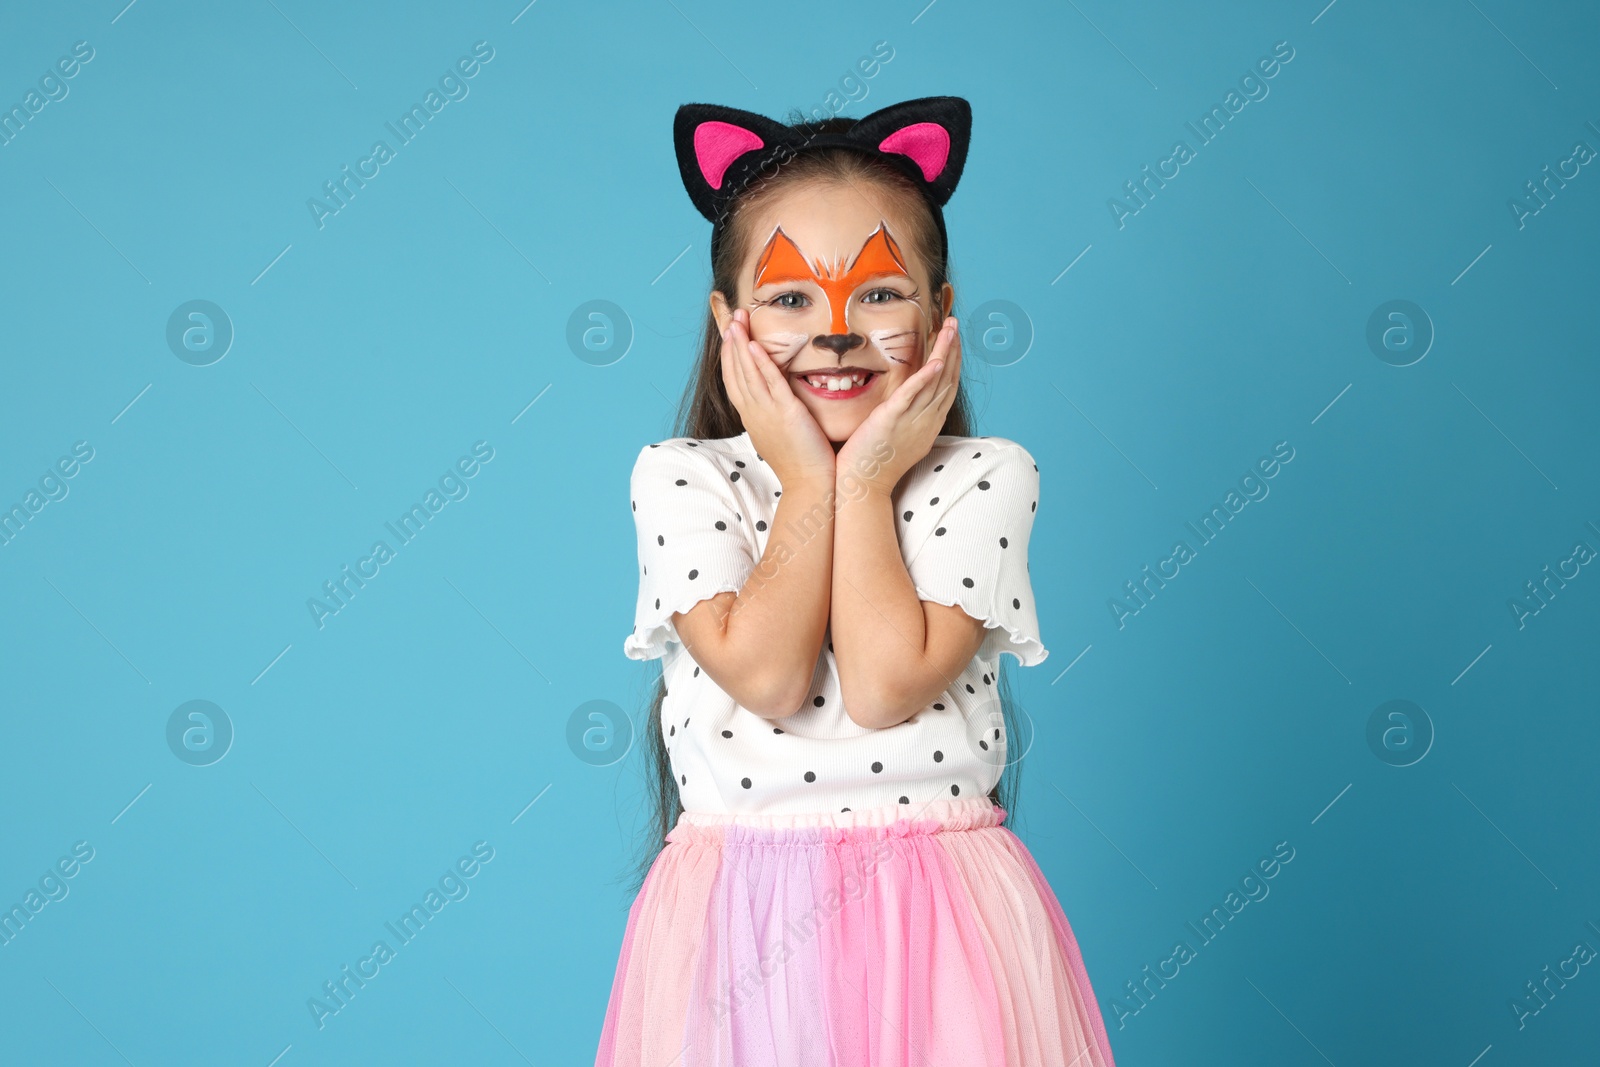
835, 384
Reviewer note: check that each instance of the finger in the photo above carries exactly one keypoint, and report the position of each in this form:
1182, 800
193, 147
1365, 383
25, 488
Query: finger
950, 376
910, 397
749, 355
763, 362
732, 377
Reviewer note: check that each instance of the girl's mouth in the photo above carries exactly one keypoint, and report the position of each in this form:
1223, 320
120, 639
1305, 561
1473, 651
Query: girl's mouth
841, 384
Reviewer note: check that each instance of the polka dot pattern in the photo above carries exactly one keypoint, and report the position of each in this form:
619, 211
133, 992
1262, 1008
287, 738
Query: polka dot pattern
965, 519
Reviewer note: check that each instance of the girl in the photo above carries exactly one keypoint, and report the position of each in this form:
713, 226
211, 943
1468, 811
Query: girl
830, 567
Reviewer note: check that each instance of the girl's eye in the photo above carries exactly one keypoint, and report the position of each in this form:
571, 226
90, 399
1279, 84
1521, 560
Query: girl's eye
881, 296
790, 300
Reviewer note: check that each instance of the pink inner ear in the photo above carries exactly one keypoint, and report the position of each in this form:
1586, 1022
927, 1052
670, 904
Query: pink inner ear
927, 143
717, 145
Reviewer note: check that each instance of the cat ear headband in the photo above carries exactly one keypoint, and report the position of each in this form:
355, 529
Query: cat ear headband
721, 150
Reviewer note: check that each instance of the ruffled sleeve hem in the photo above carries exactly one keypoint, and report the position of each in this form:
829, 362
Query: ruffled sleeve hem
654, 631
1003, 633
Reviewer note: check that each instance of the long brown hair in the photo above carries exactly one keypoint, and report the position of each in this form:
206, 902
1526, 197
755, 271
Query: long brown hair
706, 412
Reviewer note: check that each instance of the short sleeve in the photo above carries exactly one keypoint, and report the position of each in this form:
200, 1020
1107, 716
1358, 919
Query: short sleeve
693, 543
970, 547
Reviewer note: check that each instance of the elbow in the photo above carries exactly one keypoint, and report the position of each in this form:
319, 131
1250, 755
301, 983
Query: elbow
881, 705
776, 697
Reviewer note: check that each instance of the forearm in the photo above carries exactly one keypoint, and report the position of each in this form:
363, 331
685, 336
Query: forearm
761, 646
880, 625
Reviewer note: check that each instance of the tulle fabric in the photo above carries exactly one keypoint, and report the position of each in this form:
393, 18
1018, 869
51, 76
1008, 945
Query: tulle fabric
889, 937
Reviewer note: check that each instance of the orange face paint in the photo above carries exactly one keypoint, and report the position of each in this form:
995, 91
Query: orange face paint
782, 263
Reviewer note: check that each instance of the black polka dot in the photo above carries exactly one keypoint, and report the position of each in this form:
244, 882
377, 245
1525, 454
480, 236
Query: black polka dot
877, 768
970, 689
635, 505
777, 492
811, 776
658, 603
686, 723
940, 467
1035, 506
694, 444
844, 809
672, 731
938, 707
984, 745
723, 526
1016, 603
955, 790
997, 733
906, 516
777, 730
737, 517
683, 779
932, 502
983, 485
727, 733
738, 463
695, 574
761, 524
697, 672
975, 455
660, 540
905, 800
1003, 542
818, 701
733, 477
965, 581
745, 782
939, 532
681, 481
986, 679
938, 757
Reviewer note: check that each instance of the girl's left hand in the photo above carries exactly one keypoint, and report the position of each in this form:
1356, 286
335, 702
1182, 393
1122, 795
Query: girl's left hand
901, 430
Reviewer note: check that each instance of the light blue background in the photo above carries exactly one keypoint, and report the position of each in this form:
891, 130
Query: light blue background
1227, 315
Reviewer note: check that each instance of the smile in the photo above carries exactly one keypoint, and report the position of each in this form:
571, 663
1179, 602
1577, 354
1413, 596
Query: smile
841, 384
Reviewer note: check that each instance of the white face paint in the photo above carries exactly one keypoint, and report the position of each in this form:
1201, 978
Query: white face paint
784, 345
896, 344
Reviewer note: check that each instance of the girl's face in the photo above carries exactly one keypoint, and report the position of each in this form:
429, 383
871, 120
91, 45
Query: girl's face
839, 299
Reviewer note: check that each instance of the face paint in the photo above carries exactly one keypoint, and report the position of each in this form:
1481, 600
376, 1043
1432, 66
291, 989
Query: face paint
782, 345
891, 326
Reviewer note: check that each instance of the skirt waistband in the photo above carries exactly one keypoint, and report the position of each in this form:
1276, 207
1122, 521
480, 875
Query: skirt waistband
890, 820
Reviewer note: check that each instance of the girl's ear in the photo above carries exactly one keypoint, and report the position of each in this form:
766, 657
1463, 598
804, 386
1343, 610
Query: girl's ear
720, 310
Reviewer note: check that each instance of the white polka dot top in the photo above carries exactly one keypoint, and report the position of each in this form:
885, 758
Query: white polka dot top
704, 509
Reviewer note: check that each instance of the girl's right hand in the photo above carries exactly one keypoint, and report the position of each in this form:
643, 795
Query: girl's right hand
782, 429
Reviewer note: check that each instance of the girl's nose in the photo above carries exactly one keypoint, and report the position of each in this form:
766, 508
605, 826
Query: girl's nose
838, 343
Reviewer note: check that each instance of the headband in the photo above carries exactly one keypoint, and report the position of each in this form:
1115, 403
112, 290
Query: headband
721, 150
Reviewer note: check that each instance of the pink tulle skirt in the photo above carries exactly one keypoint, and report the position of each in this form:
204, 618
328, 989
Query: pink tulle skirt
890, 937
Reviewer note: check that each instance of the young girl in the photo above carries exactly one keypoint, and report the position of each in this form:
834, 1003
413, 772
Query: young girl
830, 567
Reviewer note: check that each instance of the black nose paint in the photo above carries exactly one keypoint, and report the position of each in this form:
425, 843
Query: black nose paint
838, 343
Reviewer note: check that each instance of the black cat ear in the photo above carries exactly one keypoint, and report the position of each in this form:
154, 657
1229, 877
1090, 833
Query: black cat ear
933, 132
714, 146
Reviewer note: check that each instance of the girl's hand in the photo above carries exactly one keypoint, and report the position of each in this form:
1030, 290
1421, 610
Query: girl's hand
901, 430
783, 431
